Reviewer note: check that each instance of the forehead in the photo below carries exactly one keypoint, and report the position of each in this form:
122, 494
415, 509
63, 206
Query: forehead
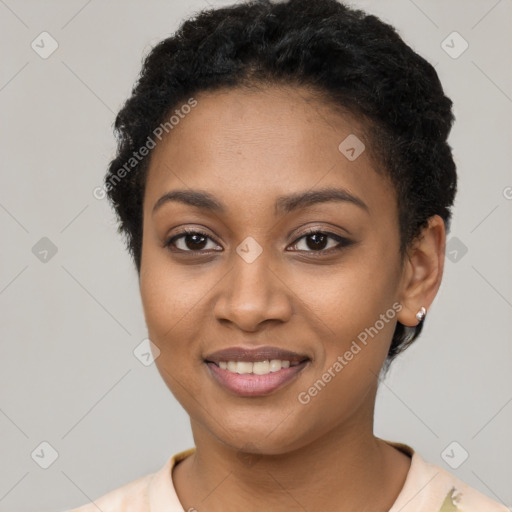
246, 144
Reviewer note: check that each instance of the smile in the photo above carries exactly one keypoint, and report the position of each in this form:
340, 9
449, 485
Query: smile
254, 371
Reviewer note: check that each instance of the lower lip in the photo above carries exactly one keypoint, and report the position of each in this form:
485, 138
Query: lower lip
249, 384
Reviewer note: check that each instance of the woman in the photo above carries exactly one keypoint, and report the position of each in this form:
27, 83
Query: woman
284, 183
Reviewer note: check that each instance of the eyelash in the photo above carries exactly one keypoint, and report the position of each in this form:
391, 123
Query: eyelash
342, 242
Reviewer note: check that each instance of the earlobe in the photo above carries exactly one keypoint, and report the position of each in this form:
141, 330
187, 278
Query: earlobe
423, 272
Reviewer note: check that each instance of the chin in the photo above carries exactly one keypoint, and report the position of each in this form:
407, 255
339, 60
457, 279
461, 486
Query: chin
257, 436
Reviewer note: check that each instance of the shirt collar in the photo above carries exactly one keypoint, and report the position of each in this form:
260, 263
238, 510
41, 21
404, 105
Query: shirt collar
163, 496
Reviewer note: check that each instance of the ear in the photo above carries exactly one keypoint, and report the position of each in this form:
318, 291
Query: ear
423, 270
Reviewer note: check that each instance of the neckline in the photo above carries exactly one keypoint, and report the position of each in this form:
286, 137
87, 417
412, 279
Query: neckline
164, 498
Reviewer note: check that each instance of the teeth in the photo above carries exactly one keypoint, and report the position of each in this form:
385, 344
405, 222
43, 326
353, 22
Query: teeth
243, 367
261, 368
258, 368
276, 365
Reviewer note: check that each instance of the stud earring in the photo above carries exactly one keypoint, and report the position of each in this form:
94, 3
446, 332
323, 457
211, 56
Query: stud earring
420, 315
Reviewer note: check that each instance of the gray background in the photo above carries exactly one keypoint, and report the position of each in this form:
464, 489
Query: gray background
68, 375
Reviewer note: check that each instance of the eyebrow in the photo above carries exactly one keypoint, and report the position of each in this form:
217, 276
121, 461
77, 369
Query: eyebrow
283, 205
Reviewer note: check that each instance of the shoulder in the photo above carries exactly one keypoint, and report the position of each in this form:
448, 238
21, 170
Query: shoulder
131, 497
155, 490
458, 496
431, 488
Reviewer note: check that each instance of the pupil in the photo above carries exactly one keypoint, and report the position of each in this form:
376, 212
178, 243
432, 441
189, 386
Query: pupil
195, 241
319, 241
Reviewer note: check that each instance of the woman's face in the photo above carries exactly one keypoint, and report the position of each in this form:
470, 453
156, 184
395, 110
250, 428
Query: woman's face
249, 275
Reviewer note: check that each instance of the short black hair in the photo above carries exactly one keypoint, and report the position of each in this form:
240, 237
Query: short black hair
353, 60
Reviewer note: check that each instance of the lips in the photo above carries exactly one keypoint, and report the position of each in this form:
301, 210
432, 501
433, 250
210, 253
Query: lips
253, 355
252, 372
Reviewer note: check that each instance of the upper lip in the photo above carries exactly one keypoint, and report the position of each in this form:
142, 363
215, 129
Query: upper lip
265, 353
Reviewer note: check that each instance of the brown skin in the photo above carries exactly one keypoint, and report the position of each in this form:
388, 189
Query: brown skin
247, 148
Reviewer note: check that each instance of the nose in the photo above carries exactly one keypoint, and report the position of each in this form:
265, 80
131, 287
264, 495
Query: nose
253, 293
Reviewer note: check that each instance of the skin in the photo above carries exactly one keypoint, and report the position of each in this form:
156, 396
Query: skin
274, 453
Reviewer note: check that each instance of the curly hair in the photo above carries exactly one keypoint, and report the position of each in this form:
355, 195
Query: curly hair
351, 59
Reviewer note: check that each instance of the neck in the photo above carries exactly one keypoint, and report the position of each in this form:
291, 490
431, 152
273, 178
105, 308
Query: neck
346, 469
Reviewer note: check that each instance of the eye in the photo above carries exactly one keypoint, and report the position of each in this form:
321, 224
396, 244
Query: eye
314, 241
318, 241
190, 240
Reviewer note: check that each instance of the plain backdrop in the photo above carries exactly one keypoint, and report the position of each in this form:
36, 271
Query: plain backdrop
69, 298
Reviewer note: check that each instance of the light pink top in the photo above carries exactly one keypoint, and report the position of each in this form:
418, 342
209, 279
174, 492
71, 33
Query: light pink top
427, 488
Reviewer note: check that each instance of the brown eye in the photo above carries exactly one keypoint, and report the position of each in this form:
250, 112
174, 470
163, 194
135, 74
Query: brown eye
320, 241
190, 241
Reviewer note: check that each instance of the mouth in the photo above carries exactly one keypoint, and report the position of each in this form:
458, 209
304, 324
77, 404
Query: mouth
255, 372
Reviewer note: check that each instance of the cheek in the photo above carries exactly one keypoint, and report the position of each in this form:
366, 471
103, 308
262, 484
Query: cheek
169, 292
346, 299
355, 308
355, 341
172, 300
